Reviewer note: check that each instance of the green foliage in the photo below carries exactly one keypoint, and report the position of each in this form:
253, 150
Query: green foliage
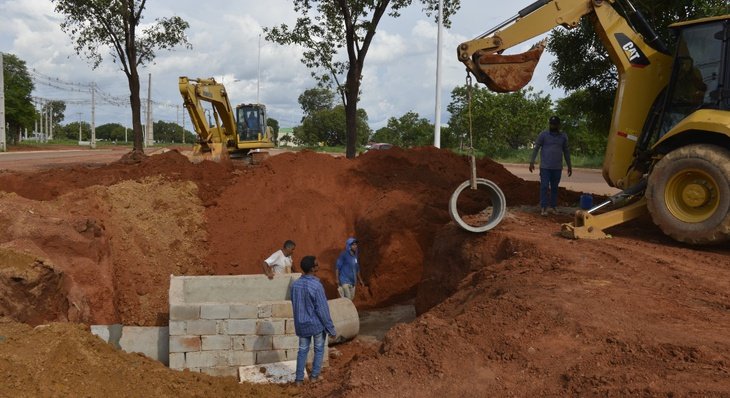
316, 99
98, 25
407, 131
499, 122
57, 108
170, 132
71, 131
326, 28
111, 132
328, 127
19, 110
274, 124
586, 131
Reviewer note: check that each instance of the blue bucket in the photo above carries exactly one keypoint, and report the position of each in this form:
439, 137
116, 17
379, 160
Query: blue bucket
586, 201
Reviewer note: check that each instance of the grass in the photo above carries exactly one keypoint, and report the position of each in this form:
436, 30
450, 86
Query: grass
523, 156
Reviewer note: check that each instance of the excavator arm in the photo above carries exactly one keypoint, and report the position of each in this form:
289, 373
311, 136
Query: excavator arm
643, 66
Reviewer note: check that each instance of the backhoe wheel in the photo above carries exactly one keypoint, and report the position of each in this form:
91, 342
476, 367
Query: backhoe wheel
688, 194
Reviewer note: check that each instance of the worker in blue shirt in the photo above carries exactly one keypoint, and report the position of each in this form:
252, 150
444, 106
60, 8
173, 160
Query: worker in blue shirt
312, 318
347, 269
553, 146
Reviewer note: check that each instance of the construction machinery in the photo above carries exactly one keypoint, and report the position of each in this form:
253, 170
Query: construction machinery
234, 133
669, 142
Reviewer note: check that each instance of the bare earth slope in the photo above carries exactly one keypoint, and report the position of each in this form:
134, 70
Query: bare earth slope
518, 311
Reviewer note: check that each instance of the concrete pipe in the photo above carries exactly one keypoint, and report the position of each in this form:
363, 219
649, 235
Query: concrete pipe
498, 205
346, 320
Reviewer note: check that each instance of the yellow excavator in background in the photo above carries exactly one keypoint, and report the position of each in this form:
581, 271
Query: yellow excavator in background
669, 141
234, 133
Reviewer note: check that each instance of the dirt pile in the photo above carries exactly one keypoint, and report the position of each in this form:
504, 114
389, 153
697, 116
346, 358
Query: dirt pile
515, 312
114, 234
111, 235
393, 201
534, 314
65, 360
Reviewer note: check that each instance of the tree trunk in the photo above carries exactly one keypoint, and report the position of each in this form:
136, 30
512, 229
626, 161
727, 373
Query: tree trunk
352, 88
136, 110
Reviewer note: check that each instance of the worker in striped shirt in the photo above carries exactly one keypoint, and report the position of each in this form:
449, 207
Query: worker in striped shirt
312, 318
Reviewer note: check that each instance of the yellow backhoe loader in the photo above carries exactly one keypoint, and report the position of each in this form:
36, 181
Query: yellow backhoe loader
669, 141
233, 133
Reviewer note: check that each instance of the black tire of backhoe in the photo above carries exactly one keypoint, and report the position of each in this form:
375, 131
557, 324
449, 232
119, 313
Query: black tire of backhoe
713, 160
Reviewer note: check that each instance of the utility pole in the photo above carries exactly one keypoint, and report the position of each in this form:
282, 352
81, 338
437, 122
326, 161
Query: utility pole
35, 119
79, 115
3, 140
258, 72
93, 115
437, 119
148, 130
183, 125
50, 120
40, 117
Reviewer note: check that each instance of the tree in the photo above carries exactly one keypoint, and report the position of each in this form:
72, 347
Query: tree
499, 122
407, 131
99, 24
57, 110
171, 132
274, 124
329, 127
19, 110
112, 132
327, 26
593, 70
71, 131
316, 99
581, 125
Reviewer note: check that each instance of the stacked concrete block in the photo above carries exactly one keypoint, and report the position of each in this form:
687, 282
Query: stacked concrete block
150, 341
221, 323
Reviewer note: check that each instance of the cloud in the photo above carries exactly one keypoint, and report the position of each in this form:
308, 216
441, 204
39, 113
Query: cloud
399, 74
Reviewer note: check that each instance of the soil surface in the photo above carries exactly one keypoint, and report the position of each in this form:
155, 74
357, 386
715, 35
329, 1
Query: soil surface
517, 311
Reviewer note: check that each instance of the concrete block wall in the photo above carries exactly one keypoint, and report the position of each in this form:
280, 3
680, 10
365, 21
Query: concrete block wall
148, 340
220, 323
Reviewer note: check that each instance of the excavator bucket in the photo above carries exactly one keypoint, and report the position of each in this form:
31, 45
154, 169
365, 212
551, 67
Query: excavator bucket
508, 73
212, 151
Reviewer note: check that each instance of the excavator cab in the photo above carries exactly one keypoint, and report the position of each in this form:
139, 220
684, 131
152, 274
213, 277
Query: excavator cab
251, 122
697, 75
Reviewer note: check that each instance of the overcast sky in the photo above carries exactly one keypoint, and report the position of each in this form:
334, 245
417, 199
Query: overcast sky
399, 74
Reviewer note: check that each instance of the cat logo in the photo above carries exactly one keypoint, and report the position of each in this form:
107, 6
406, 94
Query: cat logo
632, 52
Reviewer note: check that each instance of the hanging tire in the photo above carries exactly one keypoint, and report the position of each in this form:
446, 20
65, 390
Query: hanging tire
496, 210
688, 194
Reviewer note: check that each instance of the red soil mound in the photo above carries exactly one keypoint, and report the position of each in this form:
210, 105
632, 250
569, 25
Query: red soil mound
393, 201
518, 311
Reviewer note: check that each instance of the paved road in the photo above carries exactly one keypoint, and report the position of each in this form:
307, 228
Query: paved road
41, 160
582, 180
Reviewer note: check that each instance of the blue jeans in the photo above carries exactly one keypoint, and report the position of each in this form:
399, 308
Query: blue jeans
549, 181
318, 355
